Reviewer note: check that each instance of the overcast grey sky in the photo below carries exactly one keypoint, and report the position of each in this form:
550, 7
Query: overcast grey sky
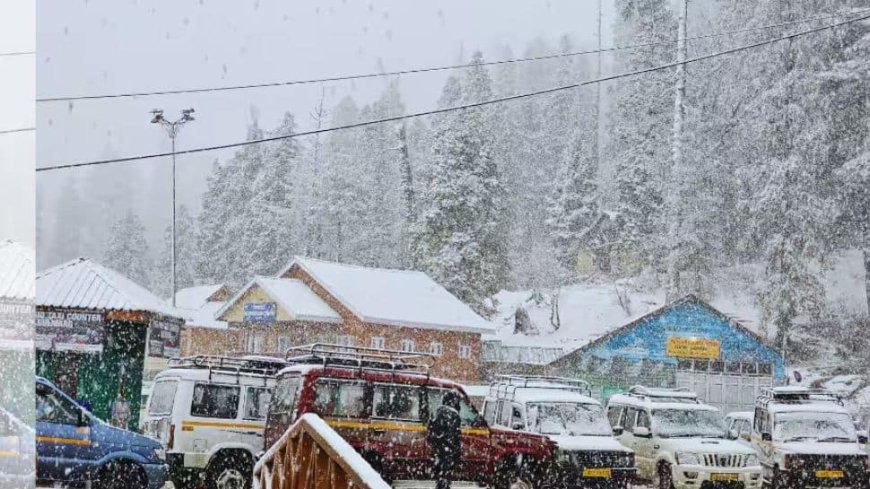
108, 46
17, 82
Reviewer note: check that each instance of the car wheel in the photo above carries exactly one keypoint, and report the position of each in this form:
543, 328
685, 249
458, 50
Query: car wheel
120, 475
665, 476
230, 472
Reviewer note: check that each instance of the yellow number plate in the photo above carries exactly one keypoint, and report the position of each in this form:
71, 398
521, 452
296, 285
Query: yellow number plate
829, 474
596, 473
724, 477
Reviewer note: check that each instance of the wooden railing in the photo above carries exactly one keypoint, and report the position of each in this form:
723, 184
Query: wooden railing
311, 455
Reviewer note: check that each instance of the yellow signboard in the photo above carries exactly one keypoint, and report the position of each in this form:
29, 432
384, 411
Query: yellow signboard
702, 348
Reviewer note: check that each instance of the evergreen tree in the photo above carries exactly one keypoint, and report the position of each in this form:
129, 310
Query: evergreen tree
127, 250
458, 235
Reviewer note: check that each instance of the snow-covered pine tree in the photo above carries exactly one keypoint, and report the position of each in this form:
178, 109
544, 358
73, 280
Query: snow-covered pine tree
458, 235
210, 262
640, 124
127, 250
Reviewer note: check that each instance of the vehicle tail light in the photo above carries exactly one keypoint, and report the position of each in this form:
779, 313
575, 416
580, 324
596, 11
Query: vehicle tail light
171, 439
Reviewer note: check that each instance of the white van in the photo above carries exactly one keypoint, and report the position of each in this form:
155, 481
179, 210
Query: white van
209, 412
679, 442
806, 438
563, 410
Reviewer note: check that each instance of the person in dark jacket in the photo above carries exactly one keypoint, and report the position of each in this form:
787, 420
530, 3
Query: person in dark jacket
444, 440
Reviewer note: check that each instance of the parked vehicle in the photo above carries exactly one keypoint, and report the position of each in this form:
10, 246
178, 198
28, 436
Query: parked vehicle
17, 451
806, 437
563, 410
209, 412
680, 442
74, 447
380, 402
739, 425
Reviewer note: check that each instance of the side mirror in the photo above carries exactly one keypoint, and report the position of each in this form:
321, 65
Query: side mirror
766, 437
642, 432
618, 431
732, 434
862, 439
744, 436
83, 419
480, 422
518, 425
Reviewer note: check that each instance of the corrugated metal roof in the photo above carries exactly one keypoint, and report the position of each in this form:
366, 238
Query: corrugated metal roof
86, 284
16, 271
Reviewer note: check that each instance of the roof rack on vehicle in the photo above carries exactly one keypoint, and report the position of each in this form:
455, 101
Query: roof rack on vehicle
680, 394
506, 386
359, 357
261, 366
797, 395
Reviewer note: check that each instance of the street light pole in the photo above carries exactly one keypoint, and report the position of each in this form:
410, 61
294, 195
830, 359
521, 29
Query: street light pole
172, 129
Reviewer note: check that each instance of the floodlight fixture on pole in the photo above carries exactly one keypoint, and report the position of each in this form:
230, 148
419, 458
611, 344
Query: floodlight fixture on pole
172, 129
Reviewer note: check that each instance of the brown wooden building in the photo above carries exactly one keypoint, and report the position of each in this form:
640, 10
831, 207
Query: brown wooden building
319, 301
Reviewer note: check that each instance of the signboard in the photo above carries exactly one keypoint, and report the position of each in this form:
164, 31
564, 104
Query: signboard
699, 348
16, 321
75, 330
164, 338
260, 313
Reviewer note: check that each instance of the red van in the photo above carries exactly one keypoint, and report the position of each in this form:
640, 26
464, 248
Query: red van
380, 402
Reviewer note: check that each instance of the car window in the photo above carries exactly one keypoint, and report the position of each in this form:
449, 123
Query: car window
642, 419
505, 414
257, 402
214, 401
628, 422
467, 413
614, 413
163, 397
51, 407
340, 399
393, 401
489, 412
284, 398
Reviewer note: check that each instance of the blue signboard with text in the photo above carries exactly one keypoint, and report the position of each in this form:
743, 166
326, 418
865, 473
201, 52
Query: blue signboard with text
260, 313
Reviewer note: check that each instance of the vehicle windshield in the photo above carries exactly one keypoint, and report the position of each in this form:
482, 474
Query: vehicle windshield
688, 423
163, 397
568, 418
828, 427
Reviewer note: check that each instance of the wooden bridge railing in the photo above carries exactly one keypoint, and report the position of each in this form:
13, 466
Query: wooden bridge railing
311, 455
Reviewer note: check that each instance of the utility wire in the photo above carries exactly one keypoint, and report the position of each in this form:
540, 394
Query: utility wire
431, 69
16, 53
459, 107
21, 129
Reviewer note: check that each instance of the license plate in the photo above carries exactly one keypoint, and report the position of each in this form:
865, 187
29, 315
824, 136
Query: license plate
724, 477
829, 474
605, 473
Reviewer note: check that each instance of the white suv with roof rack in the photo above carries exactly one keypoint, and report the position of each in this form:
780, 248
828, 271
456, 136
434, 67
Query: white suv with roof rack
563, 410
680, 442
210, 412
806, 437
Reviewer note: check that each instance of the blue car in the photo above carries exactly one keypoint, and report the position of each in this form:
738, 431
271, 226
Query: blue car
73, 447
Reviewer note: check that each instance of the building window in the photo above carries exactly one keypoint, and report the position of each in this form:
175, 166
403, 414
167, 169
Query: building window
346, 341
283, 343
436, 348
464, 351
378, 342
255, 342
407, 345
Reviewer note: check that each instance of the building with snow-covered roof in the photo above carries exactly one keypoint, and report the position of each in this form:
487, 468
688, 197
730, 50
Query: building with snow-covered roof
686, 343
97, 332
319, 301
202, 333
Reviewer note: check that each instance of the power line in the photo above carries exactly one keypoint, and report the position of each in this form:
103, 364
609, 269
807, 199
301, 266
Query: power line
16, 53
21, 129
459, 107
431, 69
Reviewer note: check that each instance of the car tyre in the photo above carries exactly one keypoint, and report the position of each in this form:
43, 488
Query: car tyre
665, 477
120, 475
232, 471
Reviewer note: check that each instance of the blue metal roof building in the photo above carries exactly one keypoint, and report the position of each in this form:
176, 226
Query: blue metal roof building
687, 343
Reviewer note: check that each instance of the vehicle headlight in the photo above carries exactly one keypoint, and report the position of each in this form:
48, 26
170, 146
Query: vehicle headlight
160, 453
751, 460
688, 458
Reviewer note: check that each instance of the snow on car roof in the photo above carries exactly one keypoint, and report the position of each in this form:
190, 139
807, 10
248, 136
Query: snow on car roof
536, 394
84, 283
808, 407
746, 415
393, 297
646, 403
